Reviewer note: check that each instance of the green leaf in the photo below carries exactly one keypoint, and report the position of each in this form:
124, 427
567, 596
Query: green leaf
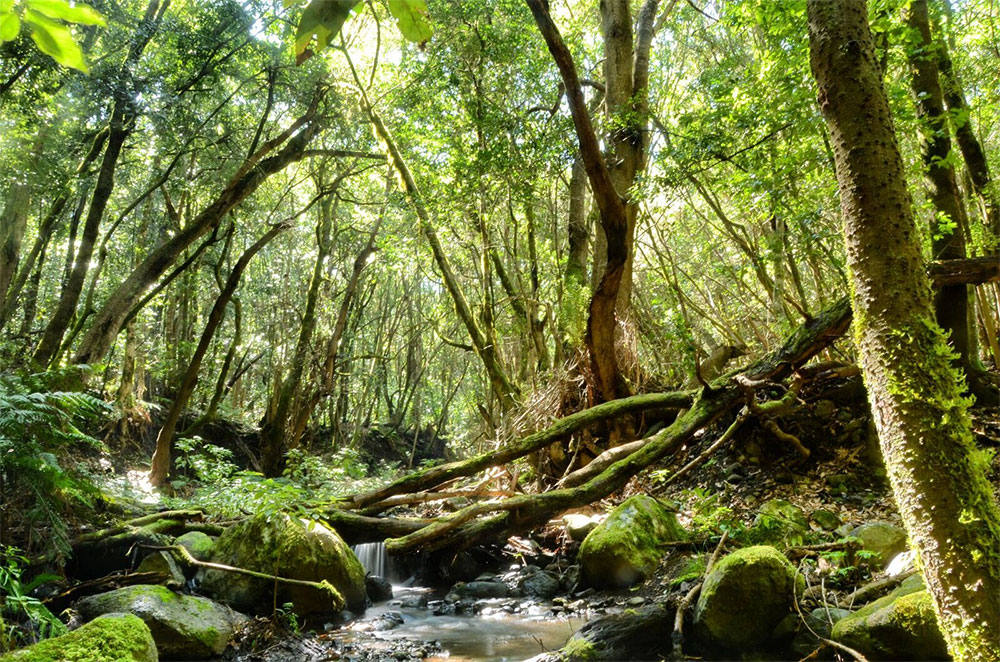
322, 19
6, 6
412, 18
61, 9
10, 25
55, 39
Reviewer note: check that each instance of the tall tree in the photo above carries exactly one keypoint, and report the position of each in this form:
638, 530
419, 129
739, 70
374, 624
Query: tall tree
915, 393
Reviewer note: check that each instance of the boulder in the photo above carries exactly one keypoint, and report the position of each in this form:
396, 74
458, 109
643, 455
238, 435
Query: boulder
882, 539
480, 590
184, 627
289, 547
109, 638
642, 634
579, 525
825, 519
200, 545
781, 523
900, 626
626, 547
163, 562
745, 597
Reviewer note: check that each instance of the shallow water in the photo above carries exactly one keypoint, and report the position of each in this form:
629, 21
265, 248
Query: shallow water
494, 637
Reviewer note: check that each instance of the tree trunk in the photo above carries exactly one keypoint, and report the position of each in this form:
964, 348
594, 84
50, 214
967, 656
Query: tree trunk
946, 503
160, 466
951, 302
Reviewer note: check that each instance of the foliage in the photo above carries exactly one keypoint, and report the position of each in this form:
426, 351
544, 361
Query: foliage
322, 19
19, 610
47, 20
37, 425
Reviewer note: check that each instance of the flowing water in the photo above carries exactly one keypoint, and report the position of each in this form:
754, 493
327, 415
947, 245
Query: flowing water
373, 557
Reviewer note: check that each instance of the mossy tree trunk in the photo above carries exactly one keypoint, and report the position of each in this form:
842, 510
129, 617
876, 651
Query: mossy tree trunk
914, 391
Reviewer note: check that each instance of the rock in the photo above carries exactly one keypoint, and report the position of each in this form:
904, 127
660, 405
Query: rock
643, 634
379, 589
480, 590
824, 408
542, 585
626, 547
882, 539
900, 626
579, 525
825, 519
292, 548
96, 558
109, 638
184, 627
163, 562
901, 563
821, 622
780, 522
744, 597
201, 545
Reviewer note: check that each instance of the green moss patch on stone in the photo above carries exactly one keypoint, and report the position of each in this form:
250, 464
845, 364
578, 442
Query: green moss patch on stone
900, 625
109, 638
627, 546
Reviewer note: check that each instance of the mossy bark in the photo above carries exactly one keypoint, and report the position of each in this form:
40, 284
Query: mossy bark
915, 393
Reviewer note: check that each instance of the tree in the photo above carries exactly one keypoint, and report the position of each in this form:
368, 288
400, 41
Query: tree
915, 393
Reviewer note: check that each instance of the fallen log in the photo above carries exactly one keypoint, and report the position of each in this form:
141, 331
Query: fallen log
64, 599
433, 476
965, 271
500, 519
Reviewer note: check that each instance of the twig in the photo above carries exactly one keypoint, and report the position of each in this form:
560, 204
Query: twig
741, 417
868, 591
827, 642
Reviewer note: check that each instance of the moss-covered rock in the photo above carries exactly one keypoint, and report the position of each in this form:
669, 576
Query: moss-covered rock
779, 523
900, 626
110, 638
201, 545
184, 627
288, 547
744, 598
626, 547
163, 562
643, 634
881, 539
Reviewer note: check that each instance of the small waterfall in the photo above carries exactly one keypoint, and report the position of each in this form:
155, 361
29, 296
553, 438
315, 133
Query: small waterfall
373, 558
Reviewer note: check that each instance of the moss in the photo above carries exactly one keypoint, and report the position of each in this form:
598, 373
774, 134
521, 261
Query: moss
578, 650
900, 625
110, 638
627, 546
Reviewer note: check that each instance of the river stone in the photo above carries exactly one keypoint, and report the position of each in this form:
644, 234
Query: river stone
825, 519
108, 638
542, 585
780, 522
626, 547
480, 590
882, 539
642, 634
199, 544
163, 562
185, 627
744, 597
289, 547
379, 589
899, 626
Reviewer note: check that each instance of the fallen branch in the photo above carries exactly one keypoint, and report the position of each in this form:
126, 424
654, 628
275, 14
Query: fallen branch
184, 557
716, 445
875, 589
433, 476
56, 603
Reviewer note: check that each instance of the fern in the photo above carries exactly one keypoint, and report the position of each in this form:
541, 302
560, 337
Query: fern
40, 418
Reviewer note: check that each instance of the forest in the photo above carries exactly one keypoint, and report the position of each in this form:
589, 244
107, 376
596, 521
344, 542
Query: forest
499, 330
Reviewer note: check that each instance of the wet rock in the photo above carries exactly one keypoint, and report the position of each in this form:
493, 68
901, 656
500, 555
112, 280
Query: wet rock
163, 562
288, 547
744, 598
821, 622
479, 590
882, 539
537, 583
626, 547
119, 637
781, 523
637, 635
900, 626
200, 545
379, 589
825, 519
184, 627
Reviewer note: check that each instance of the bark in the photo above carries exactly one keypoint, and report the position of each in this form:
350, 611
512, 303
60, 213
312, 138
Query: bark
160, 465
951, 302
13, 221
570, 329
109, 320
970, 271
123, 116
946, 503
